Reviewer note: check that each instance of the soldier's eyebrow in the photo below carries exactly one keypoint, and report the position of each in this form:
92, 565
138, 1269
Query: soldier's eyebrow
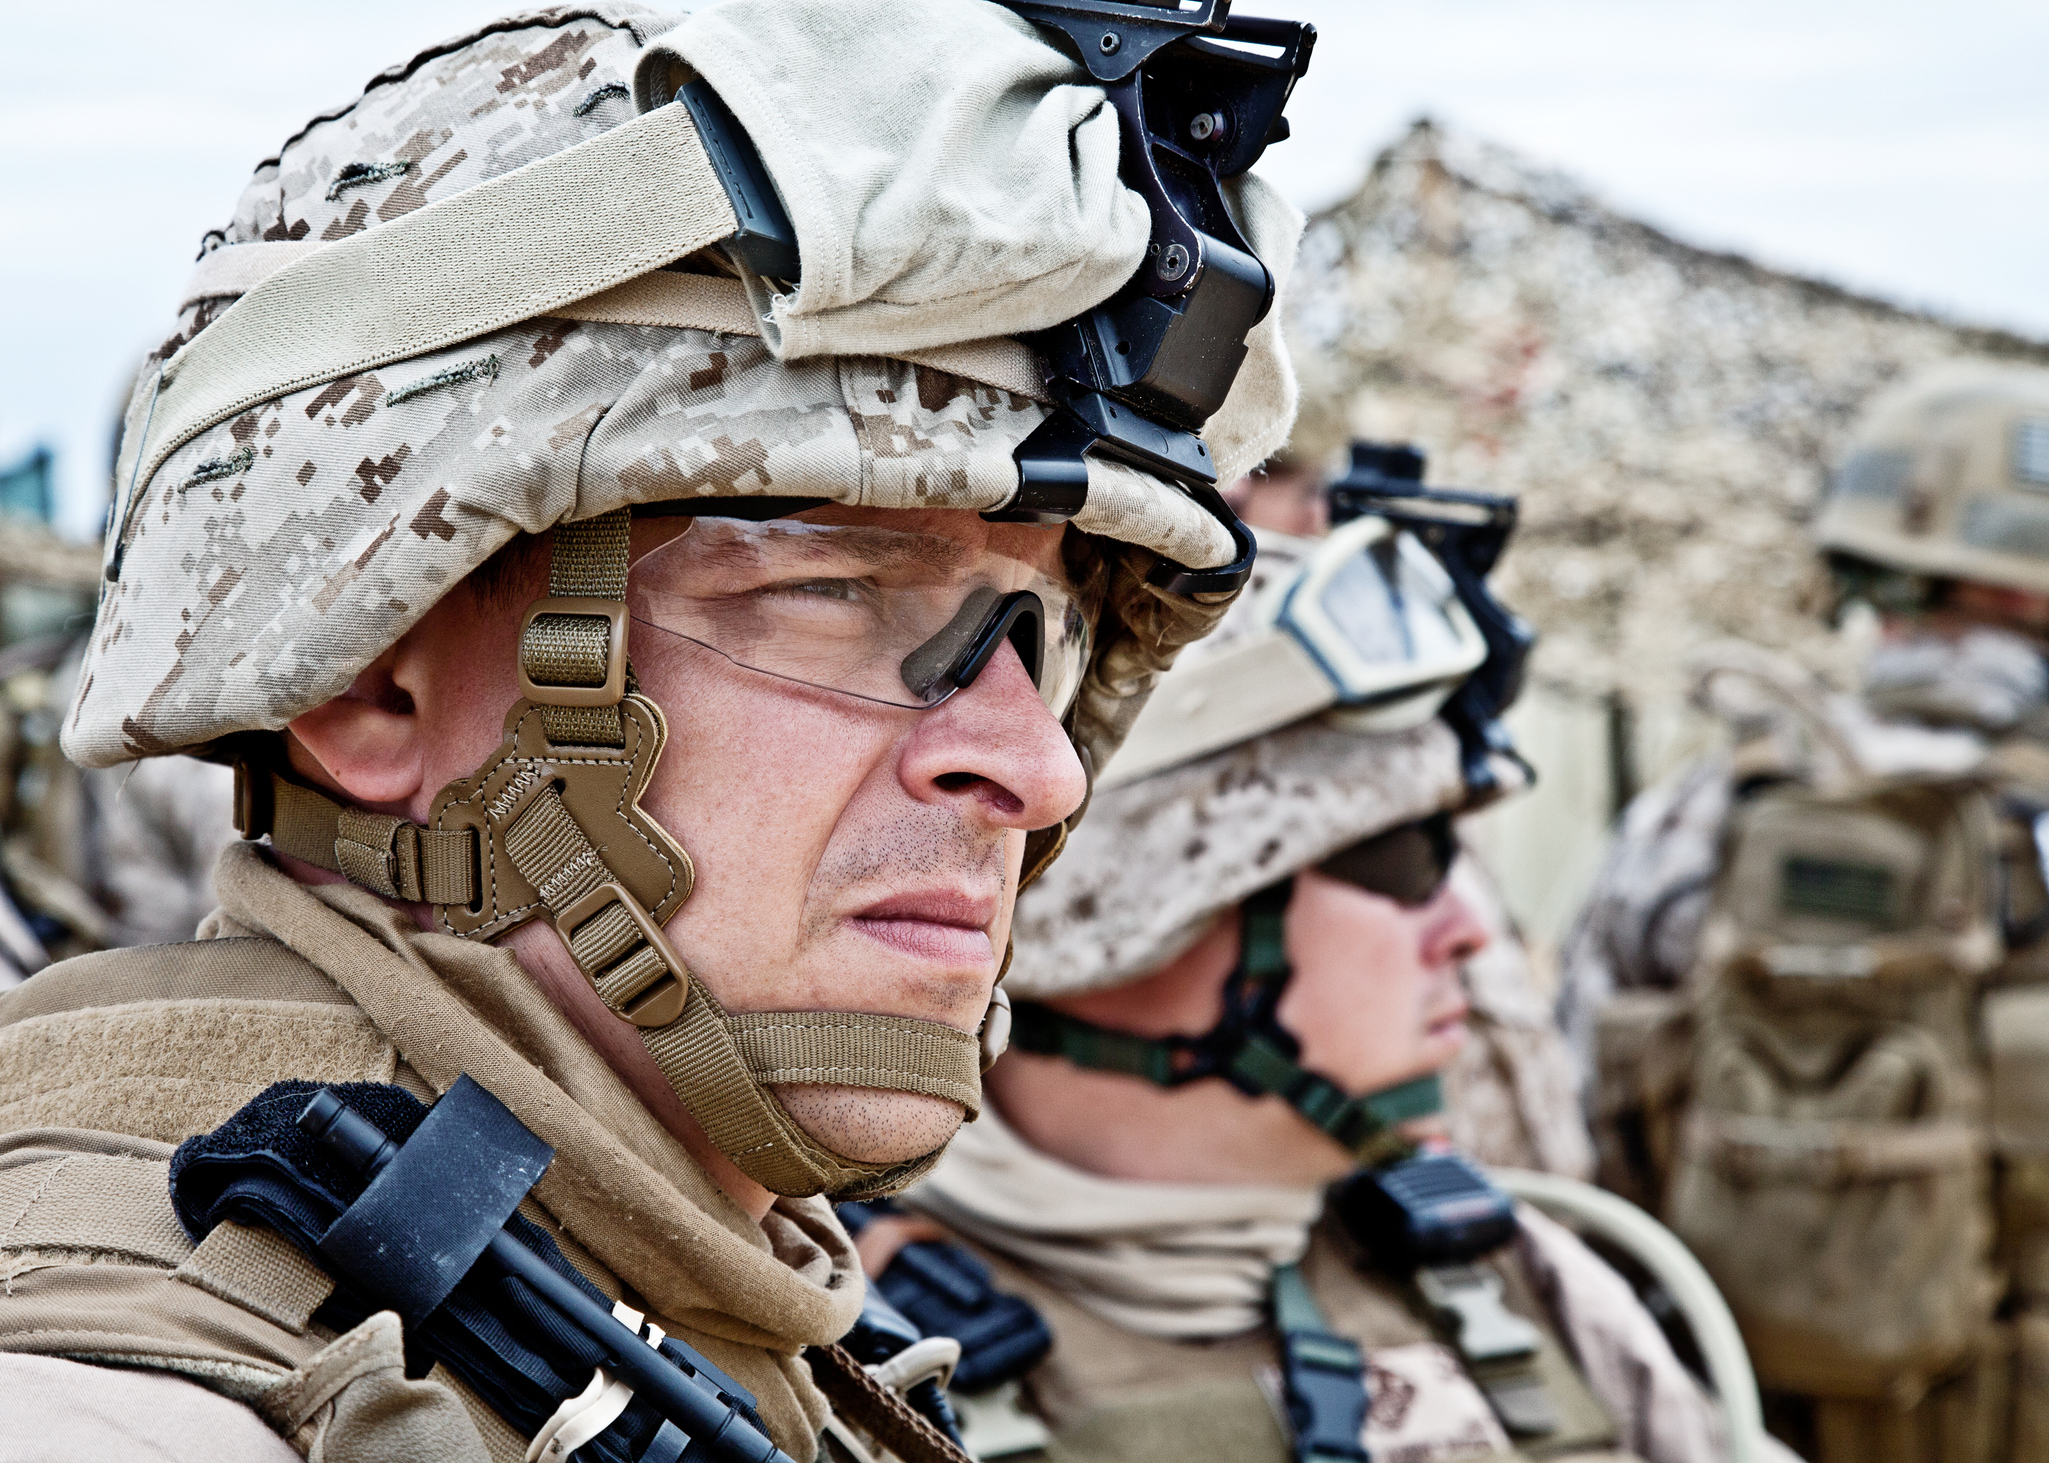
857, 546
884, 548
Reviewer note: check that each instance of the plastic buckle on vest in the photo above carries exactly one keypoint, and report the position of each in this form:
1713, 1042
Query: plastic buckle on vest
1326, 1401
613, 688
1469, 1297
660, 999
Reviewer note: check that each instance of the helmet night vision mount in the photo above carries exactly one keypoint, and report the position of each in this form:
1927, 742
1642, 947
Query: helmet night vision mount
1199, 97
1467, 532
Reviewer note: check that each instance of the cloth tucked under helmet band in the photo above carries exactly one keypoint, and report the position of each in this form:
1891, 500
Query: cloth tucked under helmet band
1248, 1047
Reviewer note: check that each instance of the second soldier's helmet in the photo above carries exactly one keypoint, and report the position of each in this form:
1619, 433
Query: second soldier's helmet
1321, 728
1948, 478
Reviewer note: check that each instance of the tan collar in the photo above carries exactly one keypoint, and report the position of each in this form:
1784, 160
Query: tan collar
1174, 1260
620, 1183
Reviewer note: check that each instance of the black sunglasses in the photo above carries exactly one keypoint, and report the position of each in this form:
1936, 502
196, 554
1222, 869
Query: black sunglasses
1408, 864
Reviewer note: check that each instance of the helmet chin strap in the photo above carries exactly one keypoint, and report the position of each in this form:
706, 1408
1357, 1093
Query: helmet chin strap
1248, 1047
551, 827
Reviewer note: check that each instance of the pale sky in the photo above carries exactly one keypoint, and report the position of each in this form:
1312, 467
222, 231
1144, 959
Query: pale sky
1902, 149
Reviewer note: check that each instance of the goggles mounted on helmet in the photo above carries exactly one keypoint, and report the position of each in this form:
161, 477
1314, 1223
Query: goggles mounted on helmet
1467, 532
1384, 622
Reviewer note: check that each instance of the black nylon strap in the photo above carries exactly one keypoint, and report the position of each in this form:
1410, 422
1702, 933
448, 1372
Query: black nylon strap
1323, 1375
425, 1220
1248, 1047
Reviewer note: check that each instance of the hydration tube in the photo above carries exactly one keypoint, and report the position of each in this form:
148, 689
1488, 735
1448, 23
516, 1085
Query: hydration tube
1721, 1344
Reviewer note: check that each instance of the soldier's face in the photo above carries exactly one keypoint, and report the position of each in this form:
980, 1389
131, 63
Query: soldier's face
1375, 1000
854, 856
850, 855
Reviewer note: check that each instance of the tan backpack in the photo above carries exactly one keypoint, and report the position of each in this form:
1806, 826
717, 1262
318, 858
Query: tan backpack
1833, 1167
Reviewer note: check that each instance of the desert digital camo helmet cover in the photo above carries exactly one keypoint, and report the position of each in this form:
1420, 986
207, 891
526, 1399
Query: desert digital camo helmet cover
265, 559
1947, 476
444, 316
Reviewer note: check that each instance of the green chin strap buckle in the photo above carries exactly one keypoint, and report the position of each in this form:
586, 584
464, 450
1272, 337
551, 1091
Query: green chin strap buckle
1247, 1047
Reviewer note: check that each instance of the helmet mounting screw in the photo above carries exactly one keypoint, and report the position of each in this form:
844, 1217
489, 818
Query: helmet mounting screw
1173, 261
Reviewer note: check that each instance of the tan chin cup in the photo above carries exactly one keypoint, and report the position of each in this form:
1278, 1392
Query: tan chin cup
599, 788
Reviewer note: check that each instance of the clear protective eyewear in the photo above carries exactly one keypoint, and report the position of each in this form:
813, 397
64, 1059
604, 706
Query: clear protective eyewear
1364, 623
890, 616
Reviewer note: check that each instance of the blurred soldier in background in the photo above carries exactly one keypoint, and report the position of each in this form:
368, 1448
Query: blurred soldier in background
1511, 1094
92, 859
1810, 980
1240, 984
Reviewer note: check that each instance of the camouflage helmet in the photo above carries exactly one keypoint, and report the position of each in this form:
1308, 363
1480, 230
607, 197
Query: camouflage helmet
272, 542
1170, 844
1356, 785
497, 295
1947, 477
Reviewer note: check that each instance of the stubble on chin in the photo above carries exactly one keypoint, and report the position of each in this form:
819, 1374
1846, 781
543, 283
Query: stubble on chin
870, 1126
914, 849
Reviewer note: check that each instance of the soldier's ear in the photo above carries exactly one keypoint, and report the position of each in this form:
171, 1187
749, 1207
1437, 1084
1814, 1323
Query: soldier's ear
370, 741
426, 711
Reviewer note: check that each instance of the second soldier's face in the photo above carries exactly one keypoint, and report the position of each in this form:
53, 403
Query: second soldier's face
1376, 997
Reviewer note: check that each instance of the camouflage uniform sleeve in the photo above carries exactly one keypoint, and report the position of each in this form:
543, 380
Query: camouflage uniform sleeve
1663, 1413
1640, 926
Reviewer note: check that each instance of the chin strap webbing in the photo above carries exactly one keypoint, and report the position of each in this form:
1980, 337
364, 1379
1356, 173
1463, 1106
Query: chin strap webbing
720, 1064
562, 650
394, 857
1247, 1047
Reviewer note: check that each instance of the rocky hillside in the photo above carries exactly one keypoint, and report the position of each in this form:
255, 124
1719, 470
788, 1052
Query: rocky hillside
1665, 412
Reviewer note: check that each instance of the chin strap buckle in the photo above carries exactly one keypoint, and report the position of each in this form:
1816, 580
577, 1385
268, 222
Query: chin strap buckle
626, 957
572, 644
572, 651
615, 942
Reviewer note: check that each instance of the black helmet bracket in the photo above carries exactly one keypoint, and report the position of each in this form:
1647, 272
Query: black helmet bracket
1199, 97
